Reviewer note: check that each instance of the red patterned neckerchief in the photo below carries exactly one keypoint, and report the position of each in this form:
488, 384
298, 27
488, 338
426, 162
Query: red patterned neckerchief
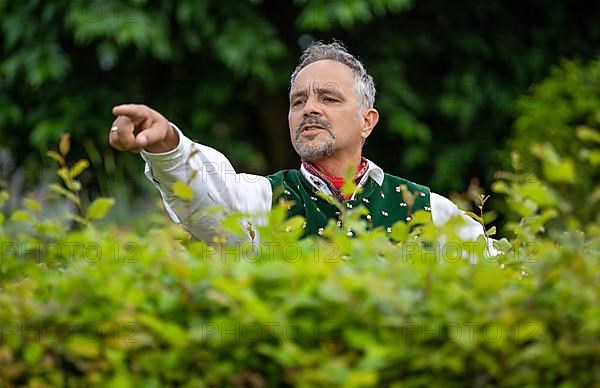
335, 183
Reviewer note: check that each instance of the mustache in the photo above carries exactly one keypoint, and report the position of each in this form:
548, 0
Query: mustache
313, 121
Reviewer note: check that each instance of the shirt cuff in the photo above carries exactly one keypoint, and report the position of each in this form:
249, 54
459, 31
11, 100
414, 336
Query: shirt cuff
166, 161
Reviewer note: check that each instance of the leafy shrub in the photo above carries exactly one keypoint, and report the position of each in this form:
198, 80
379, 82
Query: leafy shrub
94, 305
556, 138
85, 303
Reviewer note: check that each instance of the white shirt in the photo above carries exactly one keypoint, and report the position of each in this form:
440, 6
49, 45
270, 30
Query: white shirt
214, 181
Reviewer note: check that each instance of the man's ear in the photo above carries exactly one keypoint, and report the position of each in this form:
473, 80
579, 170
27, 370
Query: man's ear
369, 120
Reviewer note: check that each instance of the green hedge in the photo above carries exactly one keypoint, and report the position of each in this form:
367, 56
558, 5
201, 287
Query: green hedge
94, 305
86, 303
556, 137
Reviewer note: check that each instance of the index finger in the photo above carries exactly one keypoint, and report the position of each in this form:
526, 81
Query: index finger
136, 113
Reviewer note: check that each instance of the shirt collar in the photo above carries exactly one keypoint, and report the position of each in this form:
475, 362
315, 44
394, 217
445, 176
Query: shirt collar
374, 171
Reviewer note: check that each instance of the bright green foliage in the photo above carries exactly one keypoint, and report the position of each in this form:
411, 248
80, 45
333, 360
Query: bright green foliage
99, 208
183, 191
99, 306
557, 139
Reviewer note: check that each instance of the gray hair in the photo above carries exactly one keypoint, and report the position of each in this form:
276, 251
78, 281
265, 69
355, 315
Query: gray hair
364, 86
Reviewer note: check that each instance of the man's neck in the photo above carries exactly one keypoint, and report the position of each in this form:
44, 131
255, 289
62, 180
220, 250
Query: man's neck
335, 182
334, 167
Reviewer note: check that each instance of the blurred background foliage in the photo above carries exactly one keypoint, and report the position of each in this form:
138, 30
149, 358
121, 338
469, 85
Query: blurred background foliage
504, 92
557, 138
449, 80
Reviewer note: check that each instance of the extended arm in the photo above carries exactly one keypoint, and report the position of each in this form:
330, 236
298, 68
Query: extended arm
214, 183
171, 156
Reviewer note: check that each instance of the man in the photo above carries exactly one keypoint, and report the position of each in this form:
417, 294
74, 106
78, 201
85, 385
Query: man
330, 116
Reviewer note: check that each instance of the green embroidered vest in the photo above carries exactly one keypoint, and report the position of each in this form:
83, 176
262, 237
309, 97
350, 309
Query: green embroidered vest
385, 203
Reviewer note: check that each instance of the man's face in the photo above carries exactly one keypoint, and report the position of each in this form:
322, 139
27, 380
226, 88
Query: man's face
323, 116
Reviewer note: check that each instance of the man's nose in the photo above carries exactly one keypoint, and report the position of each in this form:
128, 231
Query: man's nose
311, 108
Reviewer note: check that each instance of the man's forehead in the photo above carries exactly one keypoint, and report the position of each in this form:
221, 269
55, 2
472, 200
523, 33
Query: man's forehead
315, 87
323, 75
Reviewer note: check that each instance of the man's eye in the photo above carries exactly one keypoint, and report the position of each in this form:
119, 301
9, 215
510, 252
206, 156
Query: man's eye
330, 99
297, 102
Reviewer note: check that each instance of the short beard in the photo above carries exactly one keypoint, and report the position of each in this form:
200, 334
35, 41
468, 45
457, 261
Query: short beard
321, 149
312, 153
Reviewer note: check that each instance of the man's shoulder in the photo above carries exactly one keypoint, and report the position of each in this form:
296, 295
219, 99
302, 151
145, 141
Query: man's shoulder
395, 181
284, 176
281, 175
287, 184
